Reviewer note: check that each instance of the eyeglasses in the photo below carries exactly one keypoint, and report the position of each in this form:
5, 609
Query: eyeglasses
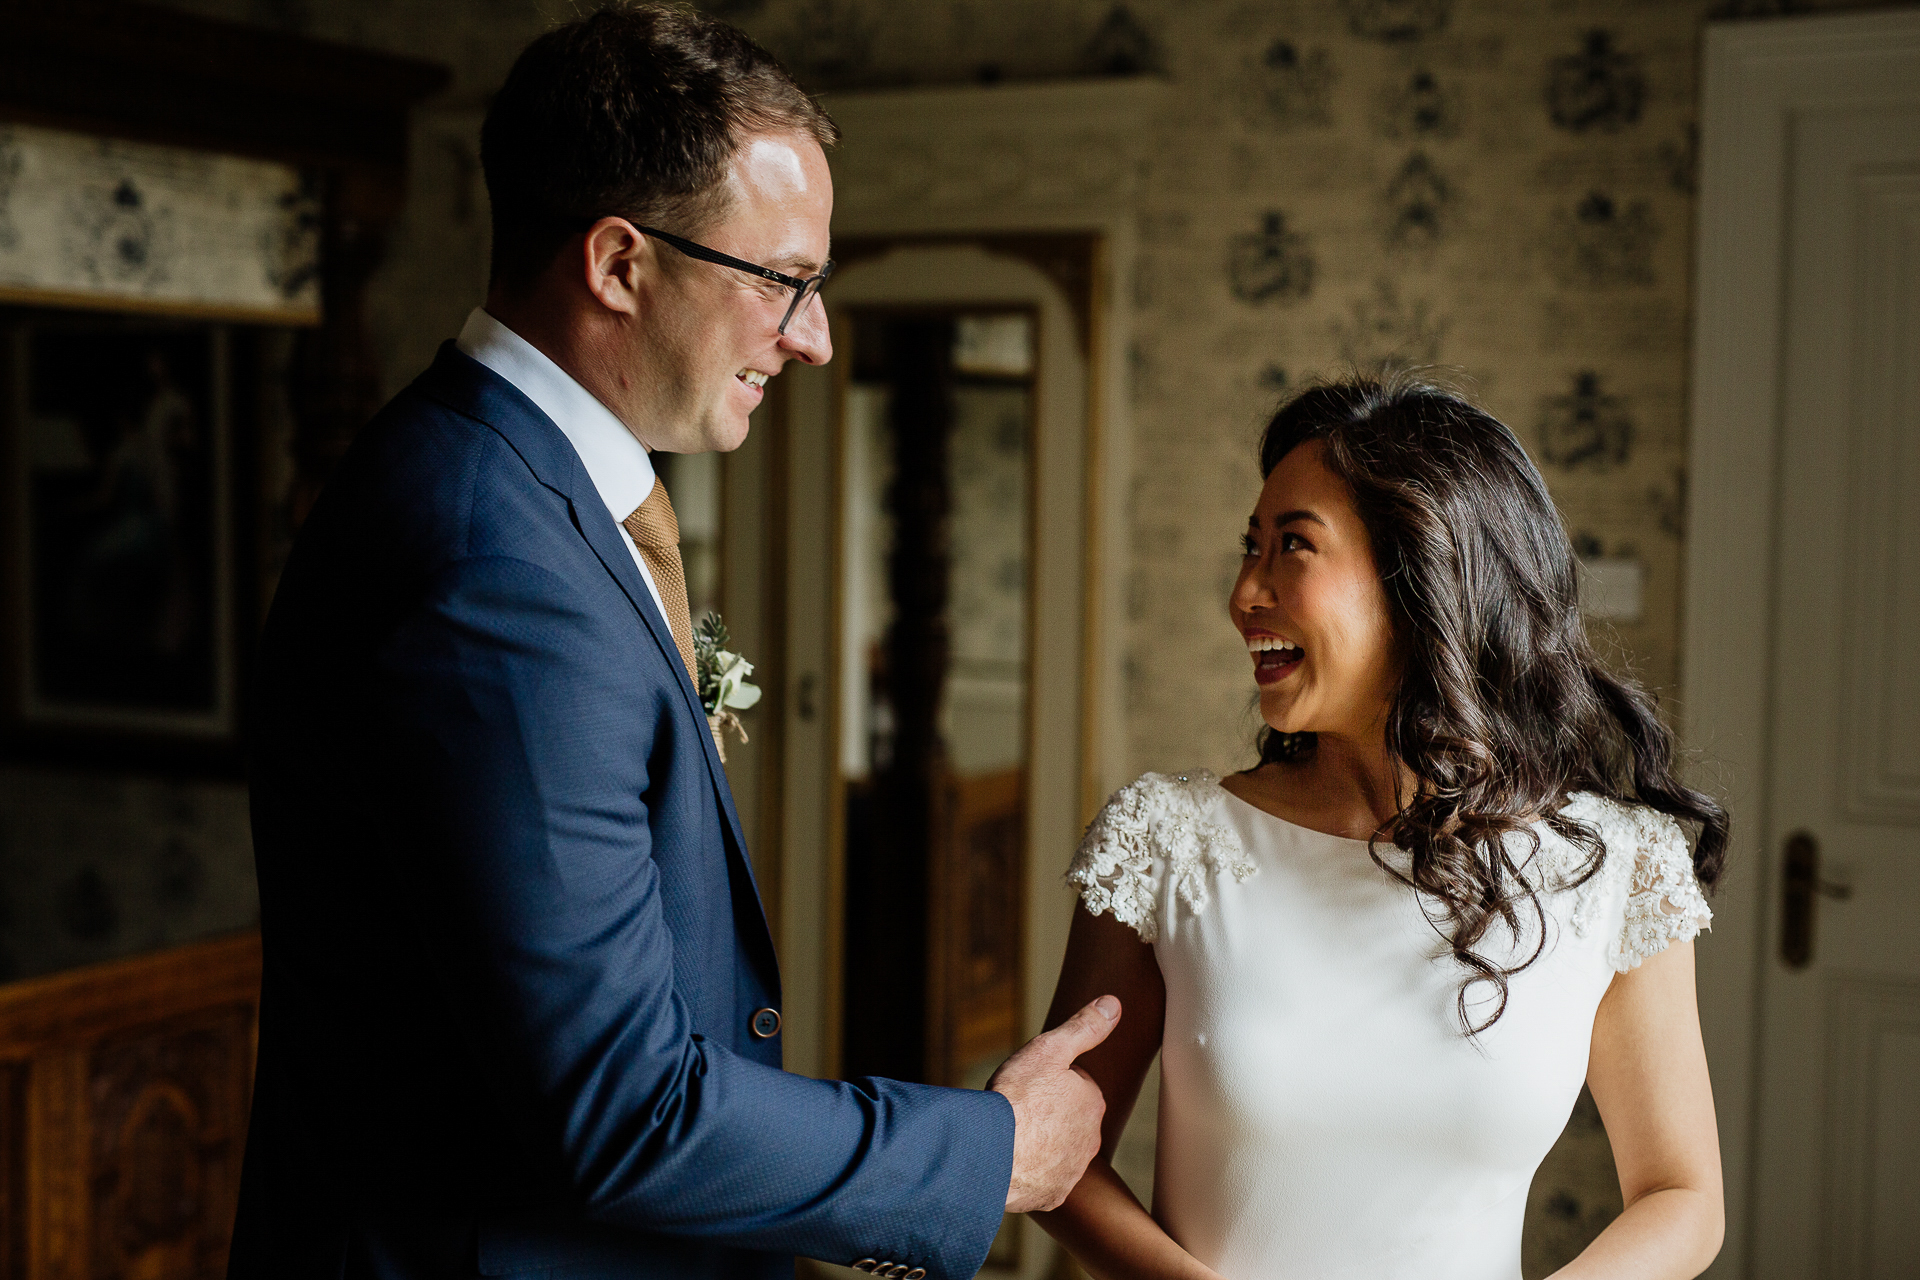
802, 288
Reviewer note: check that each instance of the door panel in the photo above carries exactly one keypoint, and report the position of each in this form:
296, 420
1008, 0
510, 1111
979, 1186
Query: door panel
1880, 730
1840, 987
1873, 1063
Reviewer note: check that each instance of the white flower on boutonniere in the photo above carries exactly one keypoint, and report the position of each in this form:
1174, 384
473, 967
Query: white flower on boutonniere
722, 680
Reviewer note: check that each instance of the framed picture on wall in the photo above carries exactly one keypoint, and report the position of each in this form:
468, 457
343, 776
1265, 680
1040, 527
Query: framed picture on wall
120, 564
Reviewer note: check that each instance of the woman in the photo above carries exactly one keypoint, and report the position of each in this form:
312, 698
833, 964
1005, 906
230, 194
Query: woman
1378, 965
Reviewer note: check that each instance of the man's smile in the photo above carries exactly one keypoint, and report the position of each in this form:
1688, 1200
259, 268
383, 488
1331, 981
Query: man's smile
754, 381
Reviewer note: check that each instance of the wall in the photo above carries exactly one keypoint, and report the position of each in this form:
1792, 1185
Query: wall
98, 866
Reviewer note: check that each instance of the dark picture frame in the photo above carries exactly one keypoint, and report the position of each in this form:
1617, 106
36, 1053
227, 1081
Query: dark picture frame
124, 564
149, 74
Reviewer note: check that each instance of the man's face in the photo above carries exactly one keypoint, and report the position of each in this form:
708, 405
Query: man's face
711, 336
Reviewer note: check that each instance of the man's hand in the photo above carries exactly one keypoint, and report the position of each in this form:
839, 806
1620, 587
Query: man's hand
1057, 1108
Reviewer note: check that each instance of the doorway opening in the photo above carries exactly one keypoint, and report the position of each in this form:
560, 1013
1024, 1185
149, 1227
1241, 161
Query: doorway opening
935, 622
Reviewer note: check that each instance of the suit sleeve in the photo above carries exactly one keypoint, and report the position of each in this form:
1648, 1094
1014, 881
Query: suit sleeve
518, 748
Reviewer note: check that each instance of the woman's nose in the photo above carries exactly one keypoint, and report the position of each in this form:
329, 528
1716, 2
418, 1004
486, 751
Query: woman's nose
1251, 590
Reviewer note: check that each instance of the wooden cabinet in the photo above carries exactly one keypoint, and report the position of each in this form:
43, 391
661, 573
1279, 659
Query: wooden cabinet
123, 1114
977, 885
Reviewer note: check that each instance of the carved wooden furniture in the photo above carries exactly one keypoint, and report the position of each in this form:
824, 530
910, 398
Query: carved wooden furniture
976, 892
123, 1113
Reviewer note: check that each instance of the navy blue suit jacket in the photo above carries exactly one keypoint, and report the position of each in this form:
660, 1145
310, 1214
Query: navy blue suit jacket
512, 941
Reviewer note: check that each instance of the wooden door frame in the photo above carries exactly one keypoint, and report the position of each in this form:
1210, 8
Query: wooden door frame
1065, 260
812, 850
1017, 166
1758, 77
916, 274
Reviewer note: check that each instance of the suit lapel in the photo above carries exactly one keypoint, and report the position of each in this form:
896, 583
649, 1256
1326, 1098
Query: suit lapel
469, 387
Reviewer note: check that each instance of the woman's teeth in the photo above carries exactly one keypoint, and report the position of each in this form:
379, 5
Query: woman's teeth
752, 377
1284, 650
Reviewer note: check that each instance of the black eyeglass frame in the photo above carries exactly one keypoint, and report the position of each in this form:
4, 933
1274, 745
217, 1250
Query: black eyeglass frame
803, 288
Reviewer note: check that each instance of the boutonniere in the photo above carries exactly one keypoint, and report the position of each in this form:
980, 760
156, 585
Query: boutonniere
721, 680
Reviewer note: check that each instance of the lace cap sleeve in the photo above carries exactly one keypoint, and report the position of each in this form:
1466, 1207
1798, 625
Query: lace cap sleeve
1152, 832
1664, 901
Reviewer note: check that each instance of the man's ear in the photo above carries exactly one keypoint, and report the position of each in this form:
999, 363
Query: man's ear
616, 259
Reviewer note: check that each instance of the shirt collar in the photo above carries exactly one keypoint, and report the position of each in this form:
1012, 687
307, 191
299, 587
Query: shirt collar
616, 462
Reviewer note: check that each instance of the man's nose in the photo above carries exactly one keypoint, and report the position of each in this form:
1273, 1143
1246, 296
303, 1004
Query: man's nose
806, 337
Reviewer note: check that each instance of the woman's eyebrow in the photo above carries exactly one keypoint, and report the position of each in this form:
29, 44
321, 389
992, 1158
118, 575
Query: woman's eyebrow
1288, 517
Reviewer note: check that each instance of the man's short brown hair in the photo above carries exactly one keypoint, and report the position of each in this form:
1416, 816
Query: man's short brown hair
633, 112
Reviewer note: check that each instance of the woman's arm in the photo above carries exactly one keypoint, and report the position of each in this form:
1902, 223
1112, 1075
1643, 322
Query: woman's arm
1101, 1223
1648, 1074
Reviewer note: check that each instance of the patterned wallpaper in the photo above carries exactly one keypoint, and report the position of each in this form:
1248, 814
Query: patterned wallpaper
95, 867
108, 221
1501, 188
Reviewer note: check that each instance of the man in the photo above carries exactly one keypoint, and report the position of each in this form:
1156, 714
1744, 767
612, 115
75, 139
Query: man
520, 1012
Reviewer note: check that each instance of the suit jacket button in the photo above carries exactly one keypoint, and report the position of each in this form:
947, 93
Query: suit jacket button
918, 1273
896, 1271
766, 1025
866, 1264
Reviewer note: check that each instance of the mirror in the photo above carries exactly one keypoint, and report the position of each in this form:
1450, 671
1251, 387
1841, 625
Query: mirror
937, 421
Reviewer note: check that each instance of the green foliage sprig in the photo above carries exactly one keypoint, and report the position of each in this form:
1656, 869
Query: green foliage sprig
721, 679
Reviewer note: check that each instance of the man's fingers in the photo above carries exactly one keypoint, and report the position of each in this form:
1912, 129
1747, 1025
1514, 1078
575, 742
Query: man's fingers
1058, 1048
1084, 1030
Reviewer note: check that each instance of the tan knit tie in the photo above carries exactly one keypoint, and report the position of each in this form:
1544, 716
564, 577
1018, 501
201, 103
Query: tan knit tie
657, 533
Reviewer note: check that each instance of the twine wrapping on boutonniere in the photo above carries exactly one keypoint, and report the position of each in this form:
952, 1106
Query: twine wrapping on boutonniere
722, 680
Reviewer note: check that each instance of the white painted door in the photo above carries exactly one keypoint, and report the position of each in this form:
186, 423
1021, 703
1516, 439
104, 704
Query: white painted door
1839, 1087
1803, 630
1802, 689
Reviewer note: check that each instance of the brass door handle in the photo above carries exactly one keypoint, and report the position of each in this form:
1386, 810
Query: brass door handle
1800, 885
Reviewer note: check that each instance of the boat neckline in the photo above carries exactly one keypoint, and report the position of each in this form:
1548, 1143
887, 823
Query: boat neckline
1271, 816
1220, 785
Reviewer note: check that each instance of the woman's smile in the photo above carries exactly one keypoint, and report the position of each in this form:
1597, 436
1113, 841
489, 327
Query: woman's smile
1308, 583
1274, 657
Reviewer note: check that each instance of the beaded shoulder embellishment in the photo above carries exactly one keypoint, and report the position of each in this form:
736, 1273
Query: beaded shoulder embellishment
1168, 816
1663, 901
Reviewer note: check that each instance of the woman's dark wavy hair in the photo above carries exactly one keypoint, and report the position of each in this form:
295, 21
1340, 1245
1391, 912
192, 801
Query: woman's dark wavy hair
1502, 711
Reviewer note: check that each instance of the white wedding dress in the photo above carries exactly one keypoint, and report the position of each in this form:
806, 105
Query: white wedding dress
1321, 1113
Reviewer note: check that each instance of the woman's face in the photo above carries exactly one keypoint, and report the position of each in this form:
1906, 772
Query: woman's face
1309, 601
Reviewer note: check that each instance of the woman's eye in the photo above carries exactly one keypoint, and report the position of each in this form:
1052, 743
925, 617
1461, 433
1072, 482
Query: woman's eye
1294, 542
1248, 547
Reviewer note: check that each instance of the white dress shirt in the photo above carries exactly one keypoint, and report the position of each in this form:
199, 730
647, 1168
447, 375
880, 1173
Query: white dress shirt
616, 462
